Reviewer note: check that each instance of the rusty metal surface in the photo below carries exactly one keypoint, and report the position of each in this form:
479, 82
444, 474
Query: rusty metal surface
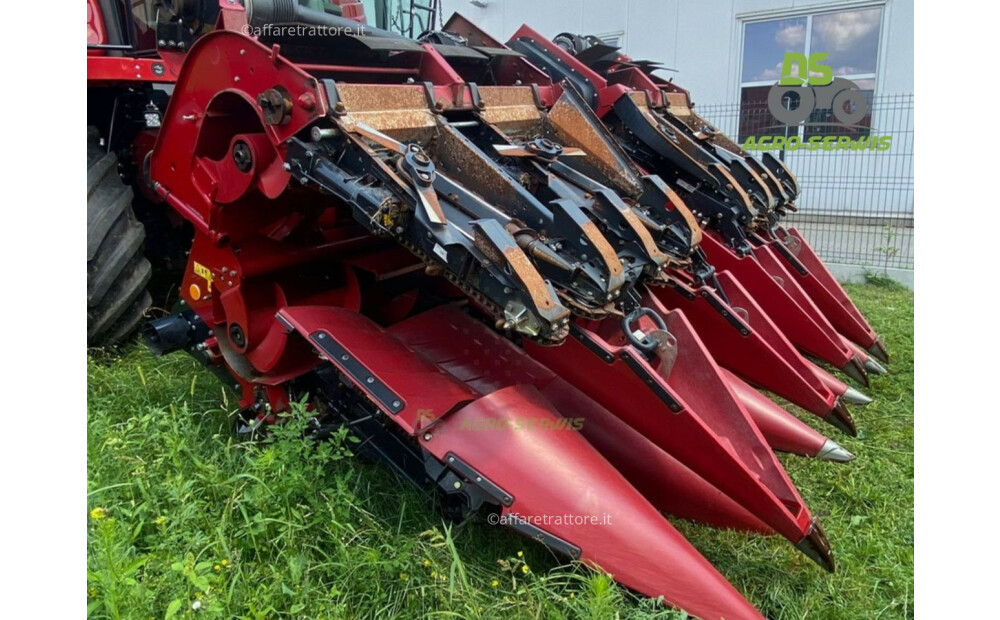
529, 276
399, 111
589, 312
573, 128
762, 184
679, 107
469, 166
641, 101
692, 152
646, 239
521, 267
717, 138
511, 108
733, 185
677, 104
681, 141
685, 212
603, 248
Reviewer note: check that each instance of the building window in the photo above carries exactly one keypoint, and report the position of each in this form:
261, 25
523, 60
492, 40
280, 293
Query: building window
614, 39
849, 37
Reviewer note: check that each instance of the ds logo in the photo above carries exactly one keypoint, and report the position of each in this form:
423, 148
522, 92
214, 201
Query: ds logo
805, 65
821, 91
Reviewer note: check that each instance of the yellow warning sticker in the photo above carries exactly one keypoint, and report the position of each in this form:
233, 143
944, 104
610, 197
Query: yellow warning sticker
205, 272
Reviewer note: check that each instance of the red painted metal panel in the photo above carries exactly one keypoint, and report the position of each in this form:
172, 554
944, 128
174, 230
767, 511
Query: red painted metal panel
827, 294
784, 432
763, 355
555, 473
801, 327
707, 430
487, 362
123, 69
426, 393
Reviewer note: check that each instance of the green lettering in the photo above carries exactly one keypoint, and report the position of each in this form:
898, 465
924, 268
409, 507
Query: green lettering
825, 73
797, 63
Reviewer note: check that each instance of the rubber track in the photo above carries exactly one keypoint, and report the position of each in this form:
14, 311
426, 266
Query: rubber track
117, 271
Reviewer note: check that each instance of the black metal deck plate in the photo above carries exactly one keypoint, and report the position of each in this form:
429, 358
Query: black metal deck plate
539, 535
591, 344
469, 473
364, 378
649, 380
719, 307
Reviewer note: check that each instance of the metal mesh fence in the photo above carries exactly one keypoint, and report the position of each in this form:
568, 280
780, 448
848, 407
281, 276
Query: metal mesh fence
856, 205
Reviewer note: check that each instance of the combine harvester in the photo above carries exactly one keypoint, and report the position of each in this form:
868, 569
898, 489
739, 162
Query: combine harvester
456, 249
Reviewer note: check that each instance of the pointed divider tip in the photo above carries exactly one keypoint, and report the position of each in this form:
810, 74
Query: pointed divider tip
817, 548
833, 451
840, 417
856, 370
856, 397
874, 367
879, 351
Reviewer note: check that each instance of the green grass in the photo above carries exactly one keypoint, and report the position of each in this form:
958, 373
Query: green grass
180, 514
